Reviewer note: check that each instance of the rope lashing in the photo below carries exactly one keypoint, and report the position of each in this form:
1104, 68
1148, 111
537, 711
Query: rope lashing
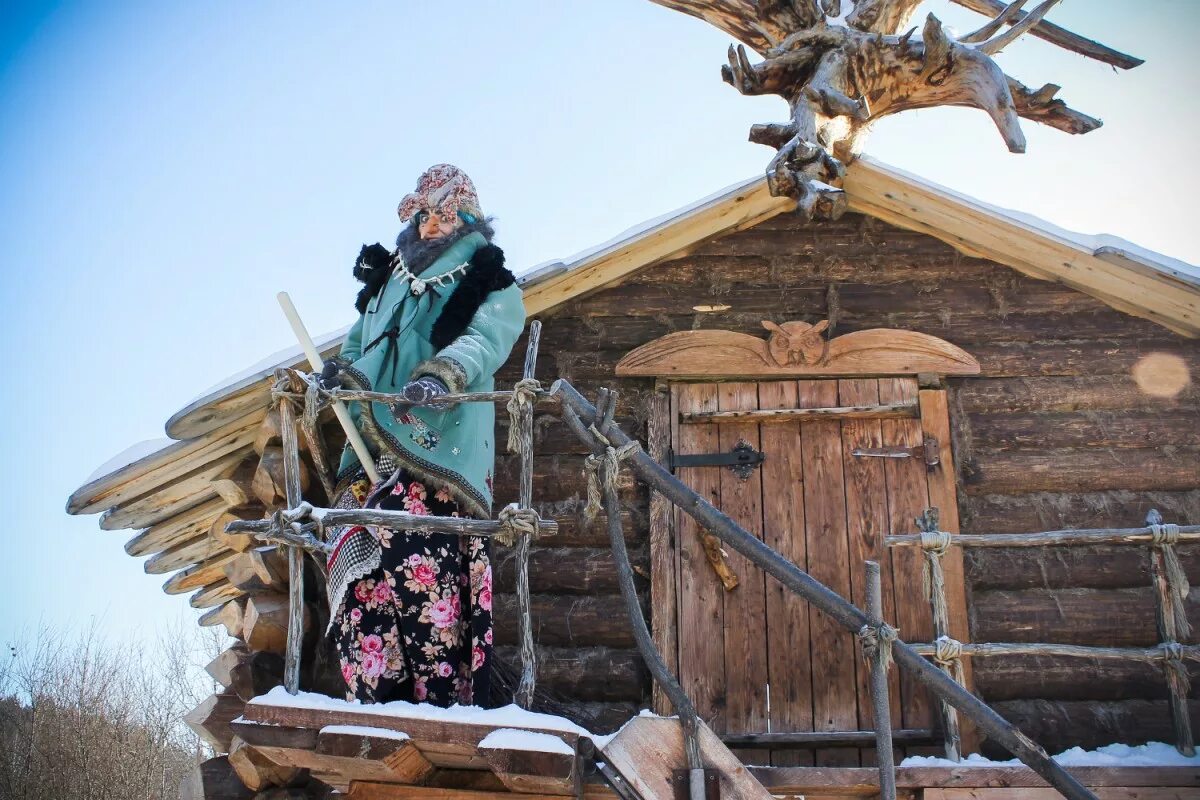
876, 643
1165, 537
514, 522
610, 465
934, 545
294, 527
947, 654
1174, 668
524, 393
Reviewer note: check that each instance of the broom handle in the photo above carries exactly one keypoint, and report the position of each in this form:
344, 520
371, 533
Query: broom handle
339, 408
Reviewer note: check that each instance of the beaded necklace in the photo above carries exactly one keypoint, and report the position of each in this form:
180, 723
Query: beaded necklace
417, 286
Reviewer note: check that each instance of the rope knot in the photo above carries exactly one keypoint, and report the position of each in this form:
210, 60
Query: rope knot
947, 654
876, 643
602, 472
1164, 537
935, 542
524, 395
516, 521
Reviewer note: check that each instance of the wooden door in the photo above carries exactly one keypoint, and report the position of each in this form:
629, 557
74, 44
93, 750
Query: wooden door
756, 658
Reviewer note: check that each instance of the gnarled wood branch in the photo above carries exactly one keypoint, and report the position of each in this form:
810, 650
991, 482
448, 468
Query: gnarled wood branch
839, 76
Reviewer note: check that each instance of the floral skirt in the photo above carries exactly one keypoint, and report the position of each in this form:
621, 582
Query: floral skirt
417, 627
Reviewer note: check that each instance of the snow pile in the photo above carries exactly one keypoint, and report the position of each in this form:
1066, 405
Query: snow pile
514, 739
510, 716
366, 730
130, 455
1153, 754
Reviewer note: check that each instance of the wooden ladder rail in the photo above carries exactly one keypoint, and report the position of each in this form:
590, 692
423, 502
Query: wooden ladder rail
1168, 584
797, 580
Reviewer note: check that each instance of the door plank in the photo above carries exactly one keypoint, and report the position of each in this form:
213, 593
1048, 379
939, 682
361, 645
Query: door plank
701, 606
663, 579
745, 606
834, 657
789, 656
867, 525
943, 493
908, 496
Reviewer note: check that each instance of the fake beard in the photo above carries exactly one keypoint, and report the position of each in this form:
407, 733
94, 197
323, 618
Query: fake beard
419, 253
373, 267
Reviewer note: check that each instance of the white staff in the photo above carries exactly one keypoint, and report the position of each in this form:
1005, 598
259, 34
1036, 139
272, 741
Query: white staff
339, 408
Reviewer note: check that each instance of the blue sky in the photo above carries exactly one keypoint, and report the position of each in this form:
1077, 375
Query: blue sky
167, 167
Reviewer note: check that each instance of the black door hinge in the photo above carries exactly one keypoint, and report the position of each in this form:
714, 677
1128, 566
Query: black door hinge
742, 460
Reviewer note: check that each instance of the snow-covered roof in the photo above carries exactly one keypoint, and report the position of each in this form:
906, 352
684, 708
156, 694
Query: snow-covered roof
220, 423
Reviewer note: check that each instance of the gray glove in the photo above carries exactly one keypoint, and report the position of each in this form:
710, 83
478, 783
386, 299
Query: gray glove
420, 392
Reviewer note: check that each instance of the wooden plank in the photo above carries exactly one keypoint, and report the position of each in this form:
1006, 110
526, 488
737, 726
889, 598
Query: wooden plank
648, 749
808, 779
397, 752
736, 209
534, 771
430, 735
908, 496
834, 656
663, 560
780, 416
206, 572
214, 594
178, 528
701, 605
366, 790
1108, 793
745, 612
789, 641
157, 469
866, 526
943, 495
971, 227
198, 548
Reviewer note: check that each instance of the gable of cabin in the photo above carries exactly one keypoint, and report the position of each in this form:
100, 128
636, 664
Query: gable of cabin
1081, 416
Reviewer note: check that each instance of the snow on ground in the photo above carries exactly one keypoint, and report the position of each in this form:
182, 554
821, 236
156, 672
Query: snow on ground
515, 739
1153, 754
510, 716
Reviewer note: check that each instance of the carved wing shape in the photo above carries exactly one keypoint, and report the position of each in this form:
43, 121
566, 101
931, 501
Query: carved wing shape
727, 354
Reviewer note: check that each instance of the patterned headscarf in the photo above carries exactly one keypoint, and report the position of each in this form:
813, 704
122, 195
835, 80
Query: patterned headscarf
445, 189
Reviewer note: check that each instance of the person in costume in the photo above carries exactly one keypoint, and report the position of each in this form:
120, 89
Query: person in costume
411, 612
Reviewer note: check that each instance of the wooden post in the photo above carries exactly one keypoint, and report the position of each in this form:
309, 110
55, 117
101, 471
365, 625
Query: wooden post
933, 546
525, 688
880, 707
291, 477
1165, 589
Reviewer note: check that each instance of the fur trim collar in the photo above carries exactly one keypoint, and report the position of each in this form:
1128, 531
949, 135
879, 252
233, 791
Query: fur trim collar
486, 275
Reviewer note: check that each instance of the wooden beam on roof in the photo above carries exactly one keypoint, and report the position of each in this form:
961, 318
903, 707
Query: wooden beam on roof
148, 473
206, 572
183, 554
185, 491
214, 594
736, 210
176, 529
983, 232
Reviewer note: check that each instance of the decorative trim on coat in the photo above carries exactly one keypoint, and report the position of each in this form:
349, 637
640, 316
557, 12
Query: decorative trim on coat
446, 370
486, 275
466, 495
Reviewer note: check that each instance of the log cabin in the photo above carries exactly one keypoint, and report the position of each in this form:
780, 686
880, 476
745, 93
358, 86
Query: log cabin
822, 384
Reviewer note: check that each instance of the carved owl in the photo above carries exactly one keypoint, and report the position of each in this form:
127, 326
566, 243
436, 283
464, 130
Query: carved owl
796, 342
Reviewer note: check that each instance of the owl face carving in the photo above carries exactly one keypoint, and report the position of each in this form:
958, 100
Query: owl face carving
795, 342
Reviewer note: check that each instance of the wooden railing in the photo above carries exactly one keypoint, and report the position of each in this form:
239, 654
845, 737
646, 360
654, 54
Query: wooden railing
1170, 594
301, 526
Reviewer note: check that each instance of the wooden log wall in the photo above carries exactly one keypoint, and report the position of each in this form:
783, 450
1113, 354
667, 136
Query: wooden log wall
1055, 432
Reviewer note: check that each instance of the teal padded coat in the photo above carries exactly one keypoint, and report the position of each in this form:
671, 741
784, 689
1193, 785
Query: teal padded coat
454, 446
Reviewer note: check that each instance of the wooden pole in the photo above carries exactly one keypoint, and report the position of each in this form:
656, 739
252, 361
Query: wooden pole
525, 687
823, 598
1082, 537
339, 409
291, 482
400, 520
1168, 634
779, 415
935, 585
880, 707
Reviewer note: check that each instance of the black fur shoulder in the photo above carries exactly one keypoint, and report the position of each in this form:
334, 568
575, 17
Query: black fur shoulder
486, 275
373, 268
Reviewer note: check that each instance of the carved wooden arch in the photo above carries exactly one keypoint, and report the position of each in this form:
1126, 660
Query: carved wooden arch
796, 349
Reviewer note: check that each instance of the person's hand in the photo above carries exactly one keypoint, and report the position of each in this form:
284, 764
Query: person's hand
330, 377
420, 392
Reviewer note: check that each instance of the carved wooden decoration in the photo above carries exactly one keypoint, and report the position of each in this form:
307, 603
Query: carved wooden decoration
796, 349
839, 73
